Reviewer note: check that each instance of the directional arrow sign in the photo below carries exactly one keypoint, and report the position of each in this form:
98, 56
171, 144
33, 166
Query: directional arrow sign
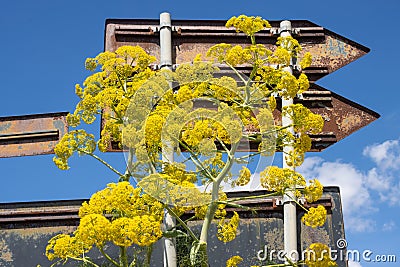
190, 37
330, 52
33, 134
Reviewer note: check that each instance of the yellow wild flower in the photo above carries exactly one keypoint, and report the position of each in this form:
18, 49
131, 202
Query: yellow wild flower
319, 255
121, 199
141, 230
315, 217
303, 83
313, 191
234, 261
290, 44
306, 60
74, 141
93, 229
244, 177
278, 179
63, 246
304, 120
248, 25
227, 230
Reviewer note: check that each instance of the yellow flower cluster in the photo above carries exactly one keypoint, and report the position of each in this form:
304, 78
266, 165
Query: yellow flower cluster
63, 246
277, 179
315, 217
319, 255
201, 211
244, 177
122, 72
110, 90
248, 25
227, 230
122, 200
313, 191
93, 229
301, 145
290, 44
120, 214
304, 120
306, 60
141, 230
74, 141
255, 54
234, 261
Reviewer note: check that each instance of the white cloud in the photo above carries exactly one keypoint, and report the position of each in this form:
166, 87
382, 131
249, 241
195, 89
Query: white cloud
377, 181
356, 198
362, 190
354, 264
359, 223
389, 226
386, 155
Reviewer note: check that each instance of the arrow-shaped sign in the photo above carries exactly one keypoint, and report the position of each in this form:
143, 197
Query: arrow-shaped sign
330, 52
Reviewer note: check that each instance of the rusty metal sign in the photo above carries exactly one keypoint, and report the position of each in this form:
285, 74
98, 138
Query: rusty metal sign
26, 228
31, 134
330, 52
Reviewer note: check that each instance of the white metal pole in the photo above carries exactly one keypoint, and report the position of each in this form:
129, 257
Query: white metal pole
169, 254
289, 206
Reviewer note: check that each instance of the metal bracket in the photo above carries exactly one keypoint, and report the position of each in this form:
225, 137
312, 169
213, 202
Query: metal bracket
275, 31
278, 201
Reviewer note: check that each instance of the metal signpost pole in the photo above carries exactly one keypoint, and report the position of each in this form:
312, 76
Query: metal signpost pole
169, 253
289, 205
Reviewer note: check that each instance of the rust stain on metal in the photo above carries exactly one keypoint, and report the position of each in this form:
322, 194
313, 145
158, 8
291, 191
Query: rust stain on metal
132, 32
23, 241
5, 252
38, 233
31, 134
274, 239
330, 52
311, 235
335, 52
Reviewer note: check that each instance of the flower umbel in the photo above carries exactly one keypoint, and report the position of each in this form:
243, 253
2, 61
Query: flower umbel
315, 217
318, 255
227, 230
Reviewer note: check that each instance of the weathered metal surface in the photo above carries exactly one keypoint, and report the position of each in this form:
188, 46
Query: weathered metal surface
25, 229
342, 116
31, 134
330, 52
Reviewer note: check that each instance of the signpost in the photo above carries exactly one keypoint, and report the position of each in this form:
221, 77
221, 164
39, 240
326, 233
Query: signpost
330, 52
31, 134
38, 134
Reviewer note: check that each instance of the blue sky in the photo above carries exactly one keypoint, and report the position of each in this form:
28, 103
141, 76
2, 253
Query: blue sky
44, 44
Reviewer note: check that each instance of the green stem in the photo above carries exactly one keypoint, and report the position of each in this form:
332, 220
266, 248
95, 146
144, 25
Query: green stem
182, 223
236, 72
129, 165
108, 257
253, 39
148, 255
298, 203
235, 205
123, 258
214, 194
102, 161
252, 197
195, 160
84, 260
223, 145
